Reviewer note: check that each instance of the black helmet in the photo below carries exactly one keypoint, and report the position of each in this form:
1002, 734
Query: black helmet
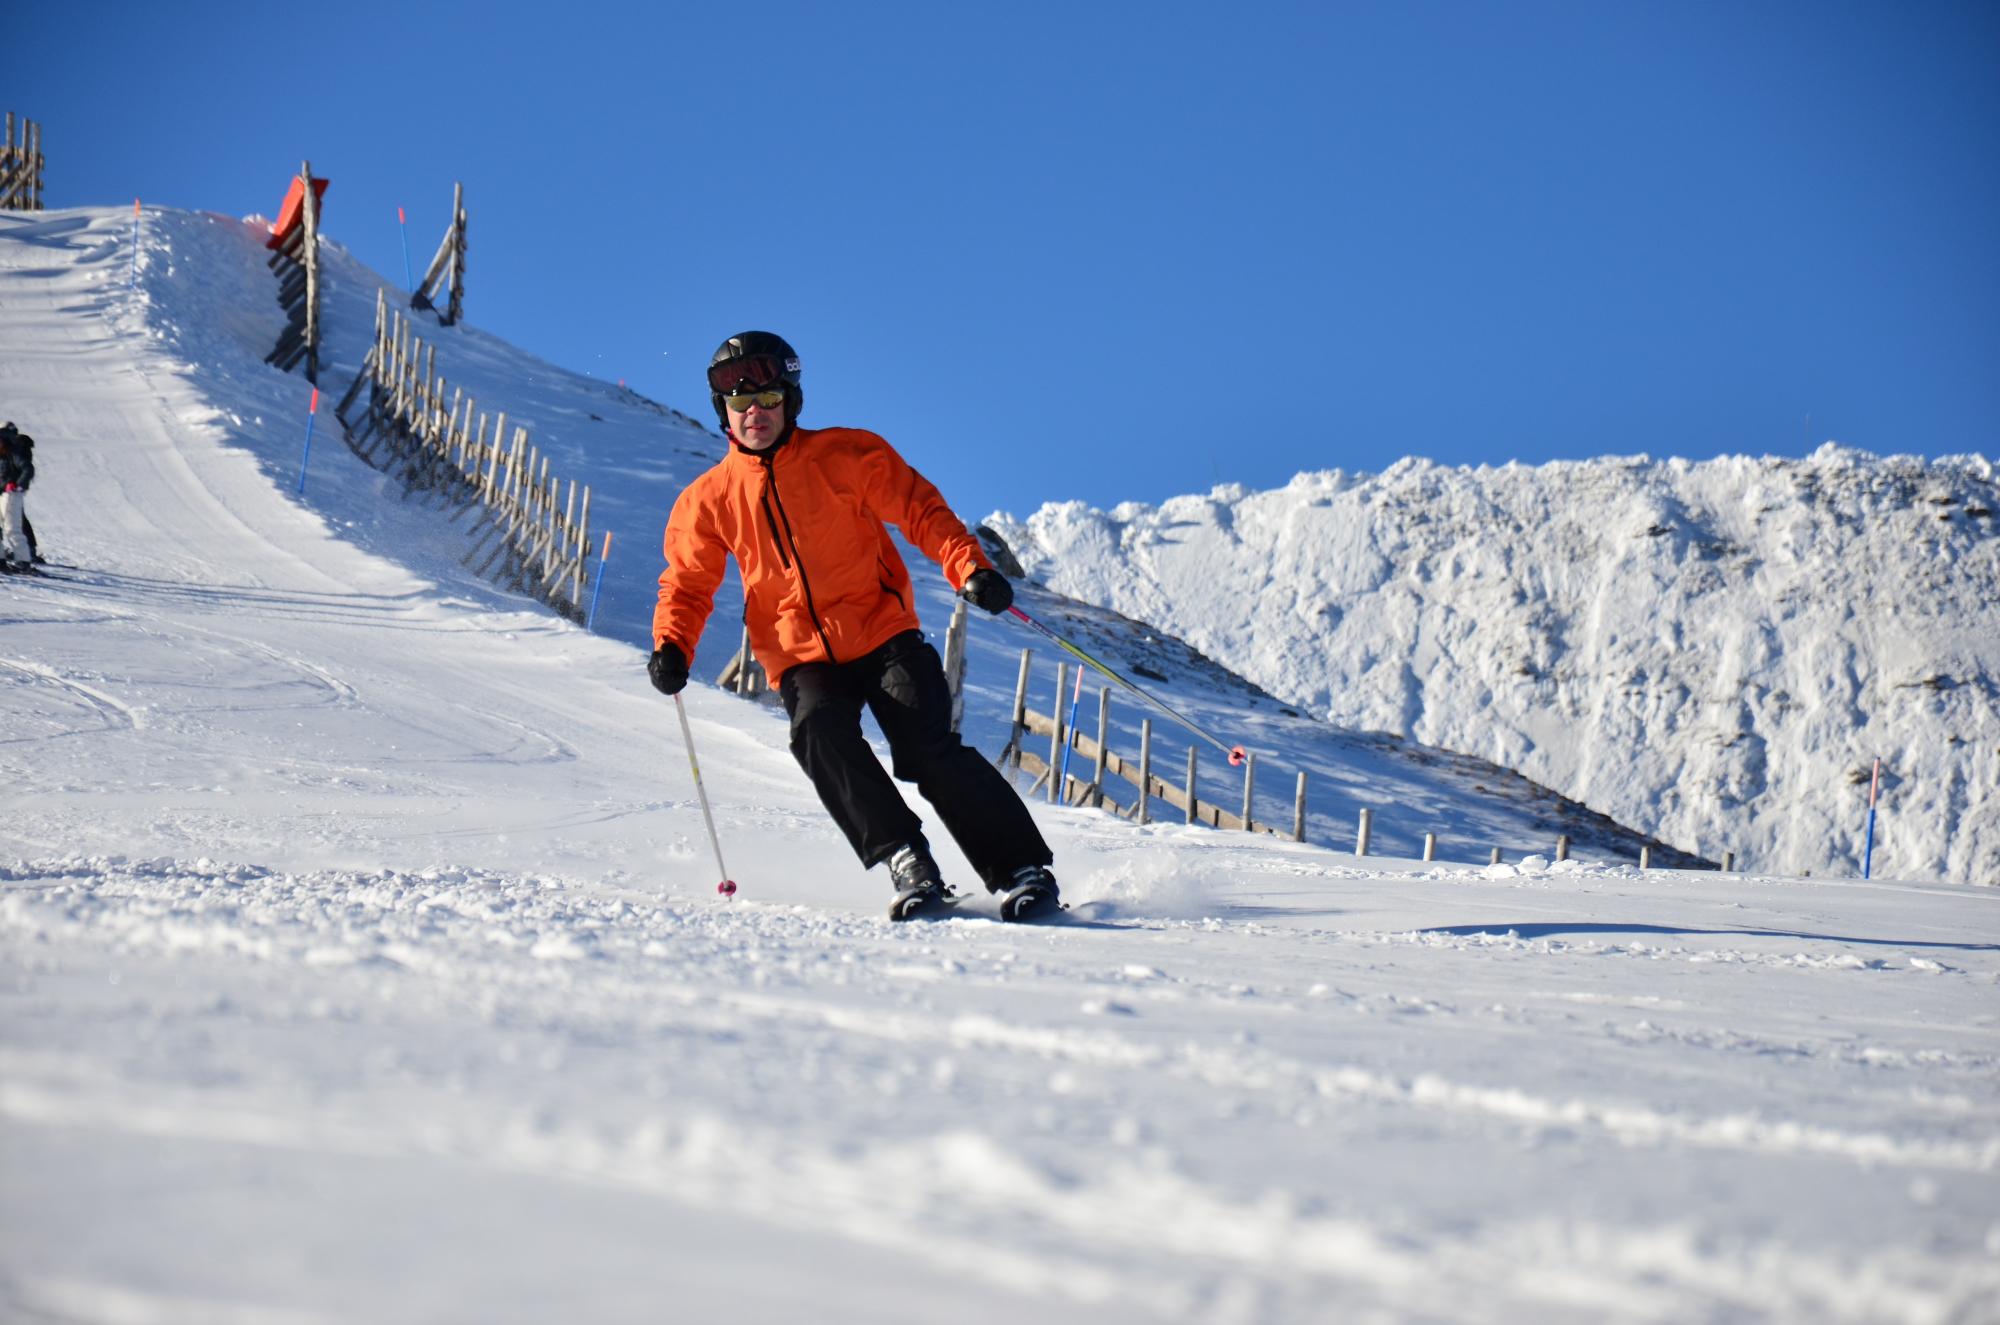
754, 361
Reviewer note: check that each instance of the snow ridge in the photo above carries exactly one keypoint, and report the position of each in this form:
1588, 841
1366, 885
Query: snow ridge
1709, 651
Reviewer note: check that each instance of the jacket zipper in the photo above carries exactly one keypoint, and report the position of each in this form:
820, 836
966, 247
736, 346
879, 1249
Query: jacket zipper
783, 537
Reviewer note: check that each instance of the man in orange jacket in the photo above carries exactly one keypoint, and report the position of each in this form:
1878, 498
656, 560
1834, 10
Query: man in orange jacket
832, 619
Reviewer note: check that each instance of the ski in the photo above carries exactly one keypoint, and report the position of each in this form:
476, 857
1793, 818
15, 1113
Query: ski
1020, 906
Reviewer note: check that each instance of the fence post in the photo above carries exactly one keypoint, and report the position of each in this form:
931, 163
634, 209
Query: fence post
1299, 810
310, 212
1145, 770
1192, 802
1562, 847
954, 663
1728, 862
1103, 745
1494, 859
456, 308
1645, 858
1017, 723
1361, 834
1430, 846
1249, 788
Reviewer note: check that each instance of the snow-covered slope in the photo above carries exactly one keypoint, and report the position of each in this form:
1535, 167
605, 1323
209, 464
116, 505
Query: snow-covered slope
637, 455
359, 960
1714, 652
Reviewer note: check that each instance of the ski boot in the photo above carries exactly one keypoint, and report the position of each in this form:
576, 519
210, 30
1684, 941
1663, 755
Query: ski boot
1029, 893
920, 889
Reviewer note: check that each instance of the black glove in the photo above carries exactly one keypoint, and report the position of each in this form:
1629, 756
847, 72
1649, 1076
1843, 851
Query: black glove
669, 669
988, 589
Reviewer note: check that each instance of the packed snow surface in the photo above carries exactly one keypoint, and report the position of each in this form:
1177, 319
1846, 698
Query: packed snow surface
360, 960
1713, 652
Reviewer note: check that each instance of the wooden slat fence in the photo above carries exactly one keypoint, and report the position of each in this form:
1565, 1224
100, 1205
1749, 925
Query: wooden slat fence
1112, 780
533, 531
1092, 761
21, 167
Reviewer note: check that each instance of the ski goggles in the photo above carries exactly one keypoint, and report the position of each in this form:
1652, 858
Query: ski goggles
761, 399
752, 374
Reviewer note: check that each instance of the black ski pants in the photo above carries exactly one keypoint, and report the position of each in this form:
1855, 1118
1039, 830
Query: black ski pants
902, 683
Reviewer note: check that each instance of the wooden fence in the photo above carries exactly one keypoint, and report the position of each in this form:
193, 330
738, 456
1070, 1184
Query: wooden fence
447, 269
21, 167
1094, 763
534, 538
295, 236
1100, 760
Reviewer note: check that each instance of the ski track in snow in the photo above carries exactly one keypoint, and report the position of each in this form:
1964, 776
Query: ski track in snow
359, 959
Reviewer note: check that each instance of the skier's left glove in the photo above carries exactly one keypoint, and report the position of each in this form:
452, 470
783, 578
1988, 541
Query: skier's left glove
988, 589
669, 669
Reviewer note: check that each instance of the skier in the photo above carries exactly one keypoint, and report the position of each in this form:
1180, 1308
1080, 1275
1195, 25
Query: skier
832, 619
17, 471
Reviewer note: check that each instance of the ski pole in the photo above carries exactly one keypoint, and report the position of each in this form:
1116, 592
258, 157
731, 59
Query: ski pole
1076, 695
1236, 753
728, 885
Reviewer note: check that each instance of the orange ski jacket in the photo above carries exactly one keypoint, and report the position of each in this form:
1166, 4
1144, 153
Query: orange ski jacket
805, 520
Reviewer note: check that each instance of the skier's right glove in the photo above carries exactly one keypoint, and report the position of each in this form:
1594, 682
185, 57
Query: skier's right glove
669, 669
988, 589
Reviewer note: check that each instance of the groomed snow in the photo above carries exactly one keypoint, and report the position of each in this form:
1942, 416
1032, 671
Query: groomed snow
359, 960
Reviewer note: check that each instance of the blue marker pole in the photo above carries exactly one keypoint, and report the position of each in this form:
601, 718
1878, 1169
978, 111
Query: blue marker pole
403, 224
1069, 742
311, 414
603, 557
1868, 852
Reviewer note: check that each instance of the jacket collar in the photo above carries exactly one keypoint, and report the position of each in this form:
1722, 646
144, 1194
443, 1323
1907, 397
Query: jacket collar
769, 453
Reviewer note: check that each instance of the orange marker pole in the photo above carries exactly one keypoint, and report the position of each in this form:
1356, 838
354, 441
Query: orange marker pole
312, 412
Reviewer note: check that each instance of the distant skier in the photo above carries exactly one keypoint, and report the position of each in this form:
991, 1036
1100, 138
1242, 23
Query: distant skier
17, 472
832, 619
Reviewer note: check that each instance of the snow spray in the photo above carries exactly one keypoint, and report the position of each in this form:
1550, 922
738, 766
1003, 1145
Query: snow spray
312, 412
403, 224
135, 243
1236, 753
602, 557
1868, 851
728, 885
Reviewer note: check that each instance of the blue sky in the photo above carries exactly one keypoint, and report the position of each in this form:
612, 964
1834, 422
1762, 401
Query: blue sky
1111, 251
